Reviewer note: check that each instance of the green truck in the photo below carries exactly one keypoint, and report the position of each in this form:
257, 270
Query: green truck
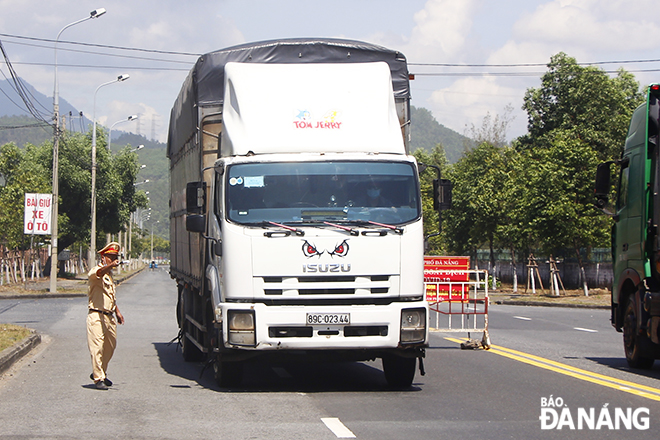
636, 234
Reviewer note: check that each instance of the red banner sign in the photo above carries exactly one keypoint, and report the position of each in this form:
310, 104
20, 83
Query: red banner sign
441, 272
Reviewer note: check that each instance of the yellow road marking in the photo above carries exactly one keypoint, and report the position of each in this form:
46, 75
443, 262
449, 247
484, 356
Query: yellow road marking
578, 373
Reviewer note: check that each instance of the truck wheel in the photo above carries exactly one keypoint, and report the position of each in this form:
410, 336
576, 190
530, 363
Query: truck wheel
399, 371
632, 339
189, 350
227, 374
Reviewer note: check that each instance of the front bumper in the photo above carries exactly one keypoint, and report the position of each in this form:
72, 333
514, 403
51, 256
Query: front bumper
371, 327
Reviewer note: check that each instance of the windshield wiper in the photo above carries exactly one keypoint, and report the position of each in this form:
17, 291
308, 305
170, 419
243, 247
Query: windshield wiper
396, 229
352, 231
366, 223
297, 231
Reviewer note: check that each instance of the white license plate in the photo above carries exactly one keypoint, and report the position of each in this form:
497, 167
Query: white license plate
328, 318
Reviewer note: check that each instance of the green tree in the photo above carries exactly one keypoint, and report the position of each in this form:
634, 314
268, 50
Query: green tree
493, 129
30, 170
478, 180
20, 173
115, 190
576, 119
513, 231
584, 101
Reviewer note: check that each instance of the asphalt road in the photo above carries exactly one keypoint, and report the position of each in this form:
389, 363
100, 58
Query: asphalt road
538, 355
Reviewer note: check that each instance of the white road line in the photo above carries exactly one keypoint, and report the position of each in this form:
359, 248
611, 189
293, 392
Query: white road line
522, 318
337, 427
588, 330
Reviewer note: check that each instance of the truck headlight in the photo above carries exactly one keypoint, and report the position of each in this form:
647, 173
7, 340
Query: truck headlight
413, 325
241, 327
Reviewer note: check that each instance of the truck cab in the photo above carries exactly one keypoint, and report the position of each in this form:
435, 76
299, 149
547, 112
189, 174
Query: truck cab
635, 236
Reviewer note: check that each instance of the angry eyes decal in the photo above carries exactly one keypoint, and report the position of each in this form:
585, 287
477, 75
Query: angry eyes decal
310, 250
341, 249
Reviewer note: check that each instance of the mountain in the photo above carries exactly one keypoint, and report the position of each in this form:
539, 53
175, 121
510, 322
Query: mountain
426, 133
24, 129
11, 104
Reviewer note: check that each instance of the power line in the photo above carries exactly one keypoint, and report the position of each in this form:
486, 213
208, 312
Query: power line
137, 49
520, 74
101, 53
20, 89
11, 127
9, 97
530, 64
91, 66
511, 65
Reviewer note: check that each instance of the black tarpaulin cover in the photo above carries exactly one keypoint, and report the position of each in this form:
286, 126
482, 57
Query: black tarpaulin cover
204, 85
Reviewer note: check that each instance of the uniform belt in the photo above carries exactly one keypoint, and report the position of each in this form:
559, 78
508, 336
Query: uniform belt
101, 311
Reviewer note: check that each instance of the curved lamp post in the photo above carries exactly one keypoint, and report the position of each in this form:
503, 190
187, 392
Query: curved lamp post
129, 119
56, 143
152, 238
92, 247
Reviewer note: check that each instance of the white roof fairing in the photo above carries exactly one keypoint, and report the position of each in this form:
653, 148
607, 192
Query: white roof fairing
304, 108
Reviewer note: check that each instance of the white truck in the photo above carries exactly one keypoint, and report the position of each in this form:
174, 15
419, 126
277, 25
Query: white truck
296, 218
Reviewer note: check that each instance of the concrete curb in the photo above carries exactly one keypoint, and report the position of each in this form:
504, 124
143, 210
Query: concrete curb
11, 355
44, 295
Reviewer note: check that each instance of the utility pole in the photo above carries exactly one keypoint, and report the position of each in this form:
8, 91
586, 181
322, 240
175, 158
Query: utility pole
56, 145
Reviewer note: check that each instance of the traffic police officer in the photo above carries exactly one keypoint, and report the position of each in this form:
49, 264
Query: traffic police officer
101, 325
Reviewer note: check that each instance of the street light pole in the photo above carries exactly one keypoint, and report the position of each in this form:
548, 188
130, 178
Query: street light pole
92, 247
56, 146
152, 239
130, 118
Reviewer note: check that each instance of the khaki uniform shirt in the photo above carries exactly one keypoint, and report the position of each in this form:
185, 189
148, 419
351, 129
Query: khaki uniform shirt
101, 291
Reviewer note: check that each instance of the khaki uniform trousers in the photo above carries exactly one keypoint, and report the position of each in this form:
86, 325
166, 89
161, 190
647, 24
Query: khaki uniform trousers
101, 340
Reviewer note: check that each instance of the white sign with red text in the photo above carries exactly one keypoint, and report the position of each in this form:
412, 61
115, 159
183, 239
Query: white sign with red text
38, 212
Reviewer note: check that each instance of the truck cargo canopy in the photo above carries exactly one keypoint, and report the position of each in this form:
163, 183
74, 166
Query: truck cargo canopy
306, 108
204, 85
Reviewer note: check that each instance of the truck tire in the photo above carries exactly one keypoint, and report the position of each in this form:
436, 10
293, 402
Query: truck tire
399, 371
633, 341
189, 350
227, 374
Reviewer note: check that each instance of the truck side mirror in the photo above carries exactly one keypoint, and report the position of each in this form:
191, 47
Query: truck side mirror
195, 223
195, 197
442, 192
602, 189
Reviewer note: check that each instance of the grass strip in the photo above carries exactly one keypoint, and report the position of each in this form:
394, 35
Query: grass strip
11, 334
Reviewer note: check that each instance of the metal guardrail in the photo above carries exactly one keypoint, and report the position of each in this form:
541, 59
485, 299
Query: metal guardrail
461, 305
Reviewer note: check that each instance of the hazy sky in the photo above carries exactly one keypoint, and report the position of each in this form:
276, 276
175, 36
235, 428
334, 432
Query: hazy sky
462, 32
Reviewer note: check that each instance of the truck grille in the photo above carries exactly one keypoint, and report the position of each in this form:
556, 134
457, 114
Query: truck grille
325, 285
308, 332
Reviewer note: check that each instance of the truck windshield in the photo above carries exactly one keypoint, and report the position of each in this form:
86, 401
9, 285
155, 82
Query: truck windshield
284, 192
